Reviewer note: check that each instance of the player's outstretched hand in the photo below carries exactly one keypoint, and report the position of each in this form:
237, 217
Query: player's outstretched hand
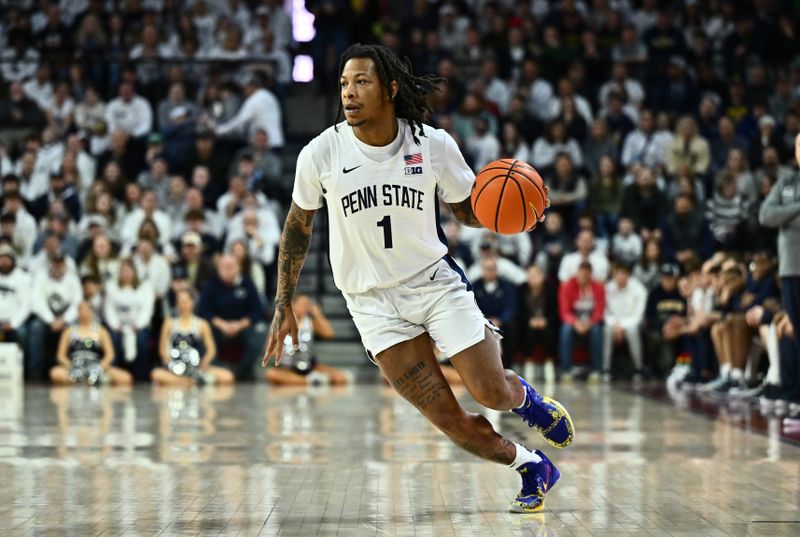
283, 324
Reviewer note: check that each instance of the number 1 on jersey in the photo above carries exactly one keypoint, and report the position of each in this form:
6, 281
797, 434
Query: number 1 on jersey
386, 224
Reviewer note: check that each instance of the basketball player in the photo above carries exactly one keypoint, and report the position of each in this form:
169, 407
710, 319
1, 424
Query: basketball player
380, 172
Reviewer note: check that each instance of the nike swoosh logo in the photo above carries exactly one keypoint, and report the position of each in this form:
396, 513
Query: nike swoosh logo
345, 170
535, 212
434, 273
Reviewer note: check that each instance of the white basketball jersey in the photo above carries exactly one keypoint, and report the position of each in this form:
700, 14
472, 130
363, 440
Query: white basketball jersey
383, 216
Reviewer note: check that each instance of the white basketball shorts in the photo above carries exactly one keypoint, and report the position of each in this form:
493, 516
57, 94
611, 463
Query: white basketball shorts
438, 300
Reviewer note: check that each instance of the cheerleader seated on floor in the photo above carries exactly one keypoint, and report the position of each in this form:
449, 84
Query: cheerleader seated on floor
301, 367
187, 349
85, 354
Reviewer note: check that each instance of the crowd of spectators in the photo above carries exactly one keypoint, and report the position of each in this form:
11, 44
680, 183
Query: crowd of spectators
660, 130
141, 154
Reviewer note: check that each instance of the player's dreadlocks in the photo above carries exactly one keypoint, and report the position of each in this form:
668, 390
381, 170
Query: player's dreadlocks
409, 103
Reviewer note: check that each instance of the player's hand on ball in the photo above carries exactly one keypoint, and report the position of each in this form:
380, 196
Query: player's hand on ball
283, 324
546, 202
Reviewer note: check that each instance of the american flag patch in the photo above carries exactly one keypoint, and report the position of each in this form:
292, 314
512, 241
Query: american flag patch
416, 158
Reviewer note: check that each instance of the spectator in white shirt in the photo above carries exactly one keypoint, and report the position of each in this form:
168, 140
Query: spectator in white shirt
129, 112
59, 110
539, 90
545, 148
266, 49
512, 145
205, 21
566, 89
626, 245
152, 267
452, 28
156, 178
231, 47
260, 110
90, 113
233, 201
149, 47
15, 300
40, 88
631, 88
585, 252
194, 201
56, 293
482, 147
280, 21
645, 145
260, 231
83, 163
238, 12
506, 269
33, 180
17, 224
495, 89
516, 248
626, 299
128, 311
147, 210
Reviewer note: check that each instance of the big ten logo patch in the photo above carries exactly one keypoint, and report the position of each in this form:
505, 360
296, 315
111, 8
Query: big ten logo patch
413, 170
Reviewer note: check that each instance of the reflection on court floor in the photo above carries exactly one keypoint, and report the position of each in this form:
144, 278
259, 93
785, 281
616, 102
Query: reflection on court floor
359, 461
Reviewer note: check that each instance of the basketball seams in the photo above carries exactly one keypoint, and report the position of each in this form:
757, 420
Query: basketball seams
486, 184
500, 198
509, 170
534, 183
524, 209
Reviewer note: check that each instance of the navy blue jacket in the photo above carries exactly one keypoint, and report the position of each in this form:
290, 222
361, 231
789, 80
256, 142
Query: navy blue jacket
230, 302
502, 303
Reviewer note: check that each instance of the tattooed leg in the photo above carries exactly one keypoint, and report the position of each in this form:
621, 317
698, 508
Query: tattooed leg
412, 369
481, 369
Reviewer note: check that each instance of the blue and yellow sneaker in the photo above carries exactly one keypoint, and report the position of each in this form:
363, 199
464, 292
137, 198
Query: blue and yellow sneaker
547, 416
537, 479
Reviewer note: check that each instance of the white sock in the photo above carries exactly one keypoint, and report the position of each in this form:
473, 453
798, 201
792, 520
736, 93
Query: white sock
737, 374
724, 370
524, 455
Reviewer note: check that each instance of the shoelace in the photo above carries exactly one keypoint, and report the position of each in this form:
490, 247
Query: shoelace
528, 418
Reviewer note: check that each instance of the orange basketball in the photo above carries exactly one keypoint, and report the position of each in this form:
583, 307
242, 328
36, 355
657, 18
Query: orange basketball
508, 196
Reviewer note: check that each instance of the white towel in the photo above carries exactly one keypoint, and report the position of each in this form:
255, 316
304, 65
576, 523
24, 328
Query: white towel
129, 343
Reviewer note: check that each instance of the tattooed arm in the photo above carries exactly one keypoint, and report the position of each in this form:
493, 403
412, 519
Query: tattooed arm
295, 239
462, 211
